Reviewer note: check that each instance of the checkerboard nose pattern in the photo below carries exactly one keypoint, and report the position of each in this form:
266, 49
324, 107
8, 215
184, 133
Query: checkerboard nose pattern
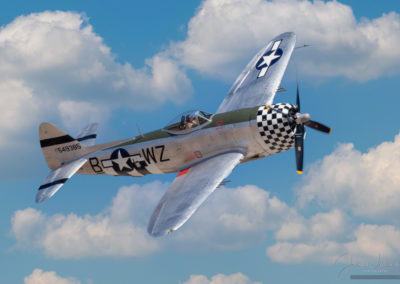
275, 127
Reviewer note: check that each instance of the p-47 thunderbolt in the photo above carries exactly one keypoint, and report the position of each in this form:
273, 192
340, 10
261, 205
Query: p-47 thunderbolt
203, 148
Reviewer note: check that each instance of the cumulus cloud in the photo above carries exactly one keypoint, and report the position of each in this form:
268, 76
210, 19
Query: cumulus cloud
18, 109
237, 278
288, 252
236, 218
366, 184
230, 219
59, 54
53, 66
39, 276
77, 114
312, 239
341, 45
319, 226
365, 243
113, 232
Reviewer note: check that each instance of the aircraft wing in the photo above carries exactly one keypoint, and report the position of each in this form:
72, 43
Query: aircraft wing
189, 190
260, 80
56, 179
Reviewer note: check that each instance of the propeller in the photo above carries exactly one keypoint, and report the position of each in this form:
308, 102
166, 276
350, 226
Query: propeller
318, 126
302, 120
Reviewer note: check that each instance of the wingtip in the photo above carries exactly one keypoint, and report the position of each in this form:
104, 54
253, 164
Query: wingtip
299, 172
40, 198
286, 35
43, 195
157, 231
154, 233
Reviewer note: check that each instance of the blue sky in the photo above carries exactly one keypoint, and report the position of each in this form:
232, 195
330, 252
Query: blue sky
131, 62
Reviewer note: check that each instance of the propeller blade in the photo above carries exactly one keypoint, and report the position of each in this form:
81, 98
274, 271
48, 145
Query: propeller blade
297, 97
318, 126
299, 147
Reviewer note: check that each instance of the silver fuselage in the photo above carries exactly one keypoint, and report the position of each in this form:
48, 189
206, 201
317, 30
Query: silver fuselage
160, 152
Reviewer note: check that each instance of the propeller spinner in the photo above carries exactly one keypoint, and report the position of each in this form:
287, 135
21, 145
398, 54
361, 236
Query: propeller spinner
302, 120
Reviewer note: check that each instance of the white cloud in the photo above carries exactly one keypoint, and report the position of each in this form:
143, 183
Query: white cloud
367, 184
235, 218
365, 244
19, 110
76, 115
113, 232
314, 239
39, 276
287, 252
72, 236
341, 44
363, 184
230, 219
53, 61
319, 226
237, 278
375, 240
59, 54
327, 225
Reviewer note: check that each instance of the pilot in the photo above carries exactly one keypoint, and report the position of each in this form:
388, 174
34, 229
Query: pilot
182, 124
190, 121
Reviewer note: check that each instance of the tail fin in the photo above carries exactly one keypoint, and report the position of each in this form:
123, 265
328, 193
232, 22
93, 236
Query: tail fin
58, 147
63, 154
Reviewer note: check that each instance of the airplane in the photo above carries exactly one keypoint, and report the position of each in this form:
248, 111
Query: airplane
203, 148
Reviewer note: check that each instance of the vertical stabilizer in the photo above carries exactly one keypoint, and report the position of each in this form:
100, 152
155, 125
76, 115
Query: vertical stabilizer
58, 147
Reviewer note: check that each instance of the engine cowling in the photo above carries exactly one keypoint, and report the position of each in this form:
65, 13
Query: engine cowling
277, 127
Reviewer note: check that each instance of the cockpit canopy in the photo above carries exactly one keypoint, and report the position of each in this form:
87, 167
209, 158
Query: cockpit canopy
188, 121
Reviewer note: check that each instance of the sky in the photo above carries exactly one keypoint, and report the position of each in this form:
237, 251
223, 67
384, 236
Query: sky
124, 63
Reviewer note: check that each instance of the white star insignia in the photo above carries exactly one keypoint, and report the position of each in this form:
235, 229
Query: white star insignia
122, 162
267, 59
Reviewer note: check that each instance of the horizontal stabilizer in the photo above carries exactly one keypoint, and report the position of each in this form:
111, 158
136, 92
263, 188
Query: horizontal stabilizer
56, 179
88, 135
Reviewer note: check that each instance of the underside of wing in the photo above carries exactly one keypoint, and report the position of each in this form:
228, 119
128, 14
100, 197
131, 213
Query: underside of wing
189, 190
260, 80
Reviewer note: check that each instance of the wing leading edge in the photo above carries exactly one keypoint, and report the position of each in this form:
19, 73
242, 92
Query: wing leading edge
259, 81
189, 190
